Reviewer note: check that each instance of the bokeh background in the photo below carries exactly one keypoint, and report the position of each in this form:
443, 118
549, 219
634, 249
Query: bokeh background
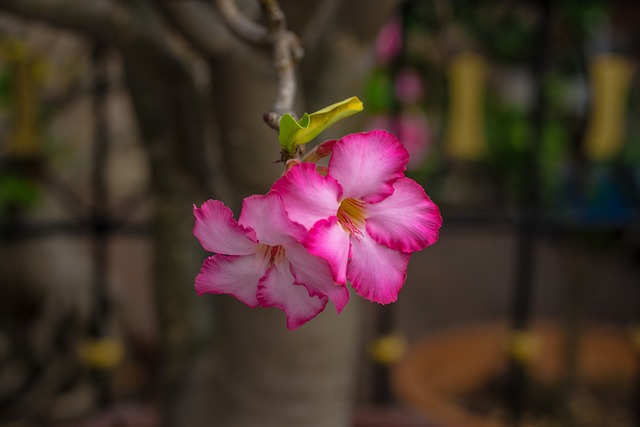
116, 117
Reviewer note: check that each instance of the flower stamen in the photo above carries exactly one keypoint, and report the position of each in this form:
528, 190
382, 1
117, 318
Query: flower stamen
351, 216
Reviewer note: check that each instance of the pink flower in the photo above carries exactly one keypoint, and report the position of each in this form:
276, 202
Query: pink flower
389, 41
412, 129
408, 86
364, 216
259, 260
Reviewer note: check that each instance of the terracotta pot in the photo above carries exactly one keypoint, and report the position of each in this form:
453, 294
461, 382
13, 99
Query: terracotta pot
440, 370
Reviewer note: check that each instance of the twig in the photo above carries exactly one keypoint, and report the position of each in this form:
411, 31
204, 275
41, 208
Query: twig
286, 50
276, 18
285, 46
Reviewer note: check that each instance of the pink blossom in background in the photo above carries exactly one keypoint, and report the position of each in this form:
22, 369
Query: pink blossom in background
389, 41
260, 261
412, 130
364, 216
408, 86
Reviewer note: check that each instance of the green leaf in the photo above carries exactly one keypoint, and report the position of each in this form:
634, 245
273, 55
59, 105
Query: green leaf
378, 93
297, 132
17, 191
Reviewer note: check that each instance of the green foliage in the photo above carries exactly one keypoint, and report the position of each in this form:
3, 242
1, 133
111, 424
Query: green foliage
379, 92
554, 151
507, 129
5, 88
584, 14
17, 192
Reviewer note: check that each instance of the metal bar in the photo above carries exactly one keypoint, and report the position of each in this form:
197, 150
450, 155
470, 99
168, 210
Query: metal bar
516, 388
99, 214
385, 322
22, 231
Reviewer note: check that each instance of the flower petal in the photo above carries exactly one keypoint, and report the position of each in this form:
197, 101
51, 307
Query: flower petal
218, 232
233, 275
376, 272
366, 164
266, 215
277, 289
307, 195
328, 240
406, 221
314, 273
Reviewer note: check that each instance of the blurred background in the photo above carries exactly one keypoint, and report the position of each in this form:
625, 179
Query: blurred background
116, 117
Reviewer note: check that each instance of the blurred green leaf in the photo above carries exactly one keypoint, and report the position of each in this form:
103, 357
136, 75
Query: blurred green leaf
5, 87
379, 92
16, 191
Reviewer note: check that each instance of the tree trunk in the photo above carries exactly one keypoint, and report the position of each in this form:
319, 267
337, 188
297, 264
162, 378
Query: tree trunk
258, 372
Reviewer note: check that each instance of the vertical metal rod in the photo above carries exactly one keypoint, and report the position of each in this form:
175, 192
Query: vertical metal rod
635, 394
528, 228
99, 203
382, 395
576, 262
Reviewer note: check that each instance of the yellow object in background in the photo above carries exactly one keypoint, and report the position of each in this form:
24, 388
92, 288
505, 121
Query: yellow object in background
24, 75
523, 346
634, 335
102, 353
610, 78
465, 132
388, 349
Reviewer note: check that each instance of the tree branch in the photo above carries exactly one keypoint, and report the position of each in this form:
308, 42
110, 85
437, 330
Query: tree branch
286, 50
92, 17
103, 20
285, 46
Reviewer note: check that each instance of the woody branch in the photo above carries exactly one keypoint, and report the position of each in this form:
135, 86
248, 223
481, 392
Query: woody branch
285, 46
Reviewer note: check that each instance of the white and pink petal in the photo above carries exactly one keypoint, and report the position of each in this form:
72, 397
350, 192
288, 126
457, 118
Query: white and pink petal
407, 220
234, 275
376, 272
266, 215
367, 164
307, 195
328, 240
218, 232
314, 273
277, 289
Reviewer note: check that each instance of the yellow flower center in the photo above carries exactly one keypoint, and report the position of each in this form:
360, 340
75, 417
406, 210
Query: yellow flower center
351, 216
